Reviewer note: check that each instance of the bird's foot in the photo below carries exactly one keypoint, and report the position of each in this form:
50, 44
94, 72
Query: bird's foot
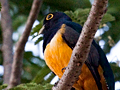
63, 69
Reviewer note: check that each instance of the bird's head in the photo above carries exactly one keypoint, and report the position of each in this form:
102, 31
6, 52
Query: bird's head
51, 24
53, 19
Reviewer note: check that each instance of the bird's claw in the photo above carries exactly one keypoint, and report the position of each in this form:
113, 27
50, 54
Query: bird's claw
63, 69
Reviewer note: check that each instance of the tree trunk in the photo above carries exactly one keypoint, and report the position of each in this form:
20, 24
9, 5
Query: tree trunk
18, 55
7, 40
81, 50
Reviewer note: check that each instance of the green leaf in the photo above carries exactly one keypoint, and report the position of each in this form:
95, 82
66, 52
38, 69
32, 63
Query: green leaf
80, 16
38, 40
3, 86
48, 86
32, 86
107, 18
37, 28
39, 78
50, 78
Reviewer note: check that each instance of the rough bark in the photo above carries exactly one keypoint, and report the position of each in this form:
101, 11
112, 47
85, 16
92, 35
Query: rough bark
18, 55
6, 24
81, 50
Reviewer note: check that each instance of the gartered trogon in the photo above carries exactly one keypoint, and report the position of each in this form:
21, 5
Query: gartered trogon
60, 35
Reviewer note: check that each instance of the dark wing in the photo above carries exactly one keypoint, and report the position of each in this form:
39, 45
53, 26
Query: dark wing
108, 74
70, 37
93, 62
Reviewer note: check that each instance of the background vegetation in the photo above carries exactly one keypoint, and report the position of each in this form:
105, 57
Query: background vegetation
34, 69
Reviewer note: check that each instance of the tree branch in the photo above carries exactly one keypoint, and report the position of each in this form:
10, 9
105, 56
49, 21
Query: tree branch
82, 48
18, 55
6, 24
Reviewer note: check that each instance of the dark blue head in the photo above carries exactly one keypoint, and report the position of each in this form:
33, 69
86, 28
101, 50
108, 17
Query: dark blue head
51, 24
52, 19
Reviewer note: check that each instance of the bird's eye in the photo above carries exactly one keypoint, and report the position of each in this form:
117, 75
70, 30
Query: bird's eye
49, 16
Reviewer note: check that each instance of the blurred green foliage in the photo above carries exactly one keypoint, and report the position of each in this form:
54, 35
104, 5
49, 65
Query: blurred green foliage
32, 86
34, 68
116, 71
3, 86
114, 31
39, 78
0, 7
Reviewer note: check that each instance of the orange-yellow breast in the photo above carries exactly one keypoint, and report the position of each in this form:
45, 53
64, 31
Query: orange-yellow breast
57, 55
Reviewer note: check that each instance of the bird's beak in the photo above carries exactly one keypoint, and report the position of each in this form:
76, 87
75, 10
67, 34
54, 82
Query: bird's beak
41, 30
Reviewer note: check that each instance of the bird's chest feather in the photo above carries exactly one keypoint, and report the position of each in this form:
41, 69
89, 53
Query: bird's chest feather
57, 54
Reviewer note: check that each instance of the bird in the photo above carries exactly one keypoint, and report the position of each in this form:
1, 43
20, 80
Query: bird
60, 35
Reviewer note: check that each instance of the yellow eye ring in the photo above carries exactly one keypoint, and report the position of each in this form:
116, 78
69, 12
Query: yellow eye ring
49, 16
